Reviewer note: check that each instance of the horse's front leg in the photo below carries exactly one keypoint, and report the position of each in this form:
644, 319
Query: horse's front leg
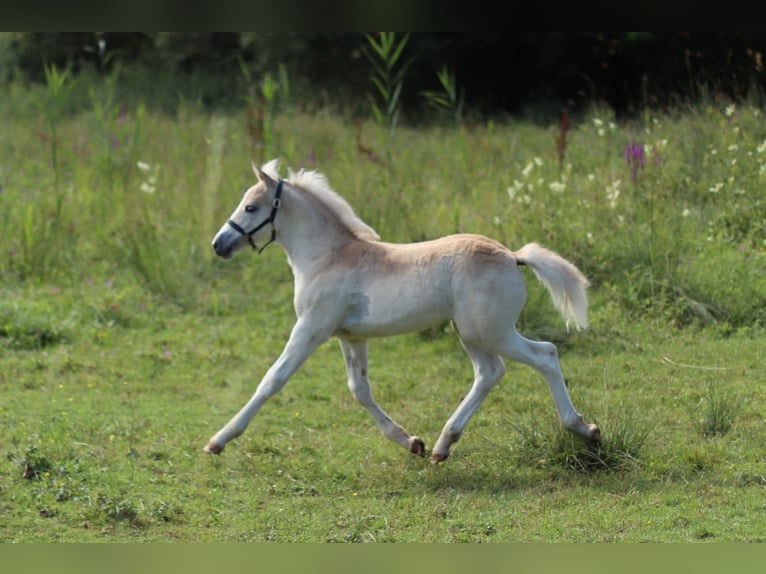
303, 341
355, 354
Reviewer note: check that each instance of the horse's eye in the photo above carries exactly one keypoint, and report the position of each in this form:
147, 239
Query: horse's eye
250, 208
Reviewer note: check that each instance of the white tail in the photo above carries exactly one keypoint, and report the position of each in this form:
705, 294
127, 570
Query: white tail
566, 284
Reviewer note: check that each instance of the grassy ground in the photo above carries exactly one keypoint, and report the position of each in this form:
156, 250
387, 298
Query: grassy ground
124, 344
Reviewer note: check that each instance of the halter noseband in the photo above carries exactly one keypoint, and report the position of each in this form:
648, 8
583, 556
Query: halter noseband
275, 204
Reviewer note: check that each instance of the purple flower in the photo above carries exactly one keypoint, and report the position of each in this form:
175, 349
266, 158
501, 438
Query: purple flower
635, 156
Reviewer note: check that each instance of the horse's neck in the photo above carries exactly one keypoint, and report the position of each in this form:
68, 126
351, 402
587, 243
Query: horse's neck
308, 234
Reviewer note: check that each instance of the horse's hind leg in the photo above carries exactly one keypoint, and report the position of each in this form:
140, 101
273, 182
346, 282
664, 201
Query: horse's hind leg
488, 369
355, 353
542, 356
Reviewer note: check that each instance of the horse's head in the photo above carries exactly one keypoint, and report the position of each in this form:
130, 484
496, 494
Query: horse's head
253, 220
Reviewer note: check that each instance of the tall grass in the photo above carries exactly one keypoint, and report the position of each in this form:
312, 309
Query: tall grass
665, 215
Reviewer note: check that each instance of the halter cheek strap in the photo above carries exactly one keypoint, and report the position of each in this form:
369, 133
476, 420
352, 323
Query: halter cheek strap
275, 205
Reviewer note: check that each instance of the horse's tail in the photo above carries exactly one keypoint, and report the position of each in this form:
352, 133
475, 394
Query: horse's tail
566, 284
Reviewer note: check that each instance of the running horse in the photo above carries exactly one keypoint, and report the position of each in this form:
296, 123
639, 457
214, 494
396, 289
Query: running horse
352, 286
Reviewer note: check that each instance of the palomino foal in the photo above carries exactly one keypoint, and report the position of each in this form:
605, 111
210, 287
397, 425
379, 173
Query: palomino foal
354, 287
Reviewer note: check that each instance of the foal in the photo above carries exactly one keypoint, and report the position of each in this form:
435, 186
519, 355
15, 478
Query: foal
354, 287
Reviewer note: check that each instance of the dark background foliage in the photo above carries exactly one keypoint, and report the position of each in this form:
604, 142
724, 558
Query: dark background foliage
501, 73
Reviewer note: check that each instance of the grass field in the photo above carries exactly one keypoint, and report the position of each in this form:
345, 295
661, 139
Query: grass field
124, 344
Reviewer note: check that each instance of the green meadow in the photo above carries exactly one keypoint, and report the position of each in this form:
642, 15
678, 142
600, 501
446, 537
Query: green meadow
125, 343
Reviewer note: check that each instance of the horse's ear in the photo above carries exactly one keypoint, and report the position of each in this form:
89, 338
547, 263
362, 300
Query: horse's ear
261, 175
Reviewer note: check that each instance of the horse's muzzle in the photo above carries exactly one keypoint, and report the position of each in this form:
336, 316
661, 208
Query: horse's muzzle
223, 247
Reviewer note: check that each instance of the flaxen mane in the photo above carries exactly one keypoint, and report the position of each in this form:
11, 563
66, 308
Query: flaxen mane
317, 185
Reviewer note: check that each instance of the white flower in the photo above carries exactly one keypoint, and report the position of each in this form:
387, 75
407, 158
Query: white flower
730, 109
557, 186
513, 190
685, 212
597, 122
143, 166
613, 193
716, 188
526, 171
538, 161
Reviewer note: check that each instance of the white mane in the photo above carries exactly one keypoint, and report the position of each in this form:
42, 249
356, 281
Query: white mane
316, 184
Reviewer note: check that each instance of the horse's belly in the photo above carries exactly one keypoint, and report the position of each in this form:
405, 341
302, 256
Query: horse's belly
394, 312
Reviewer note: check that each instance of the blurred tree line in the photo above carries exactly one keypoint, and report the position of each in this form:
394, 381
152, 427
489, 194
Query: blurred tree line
496, 72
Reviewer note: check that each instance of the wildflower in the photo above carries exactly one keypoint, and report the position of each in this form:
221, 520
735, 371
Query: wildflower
149, 185
557, 186
613, 193
716, 188
635, 156
514, 189
526, 171
730, 109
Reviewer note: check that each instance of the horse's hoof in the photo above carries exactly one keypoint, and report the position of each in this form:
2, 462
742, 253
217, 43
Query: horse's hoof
594, 434
212, 448
437, 458
417, 446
